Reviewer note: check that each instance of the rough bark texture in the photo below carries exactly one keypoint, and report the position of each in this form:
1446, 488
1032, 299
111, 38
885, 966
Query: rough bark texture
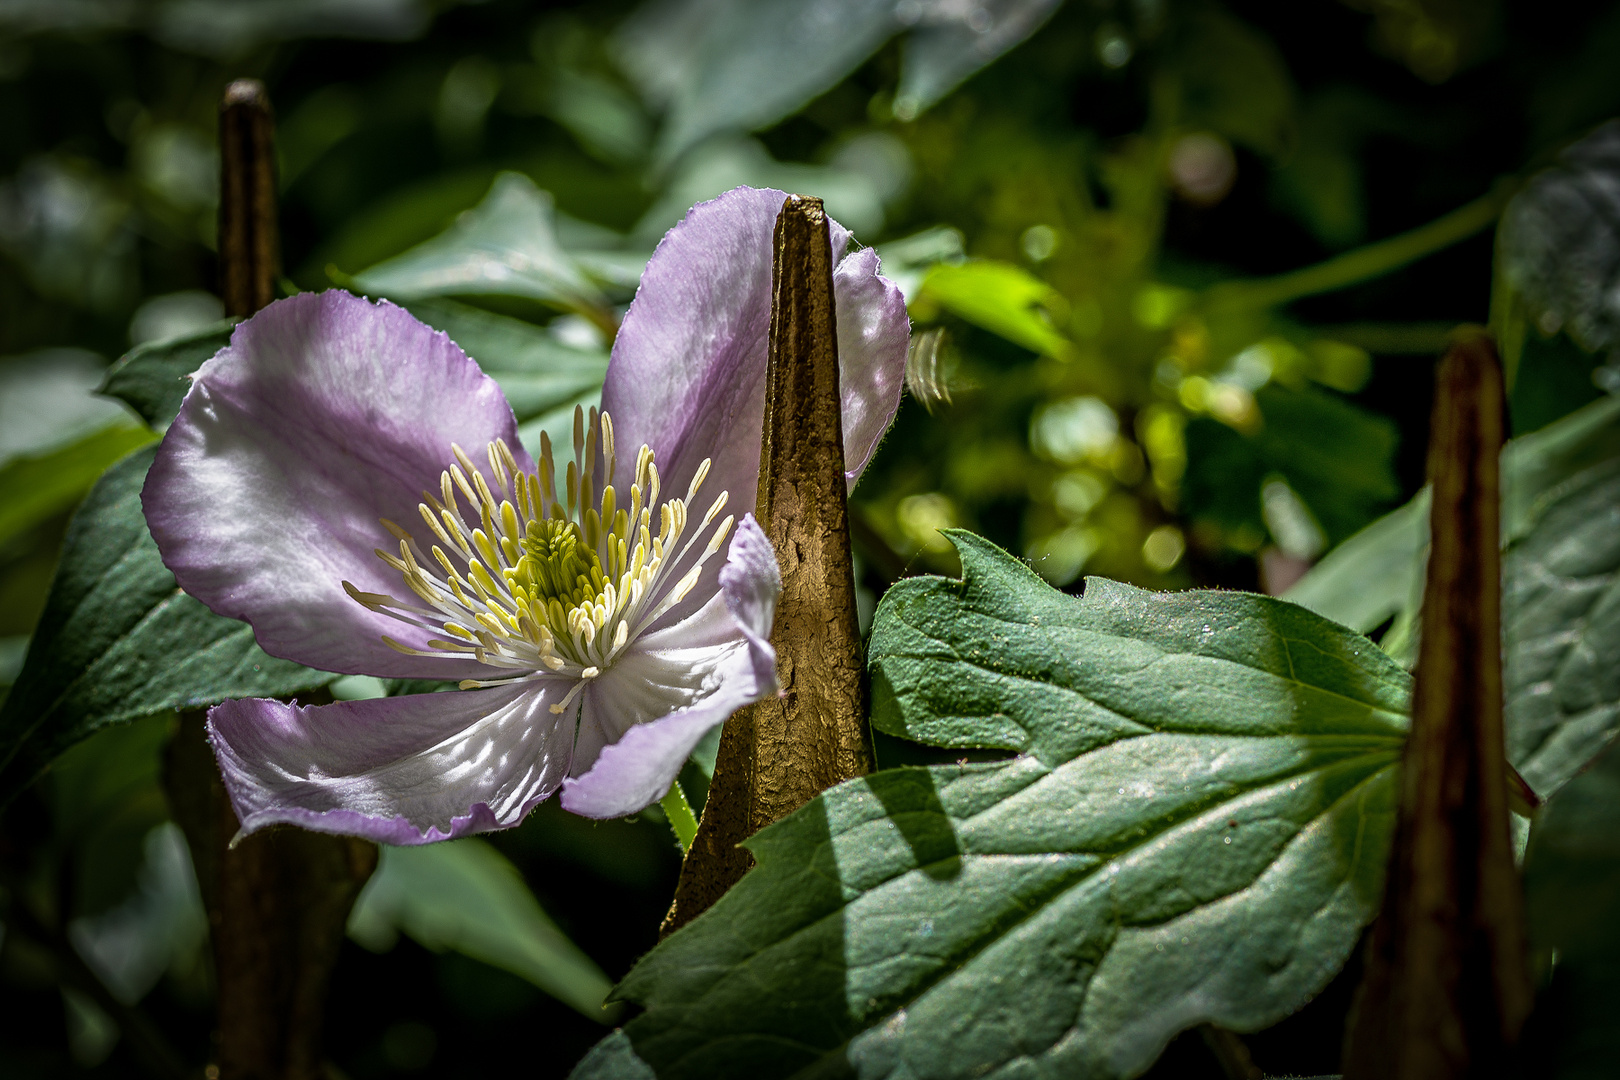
277, 906
1447, 987
277, 902
777, 755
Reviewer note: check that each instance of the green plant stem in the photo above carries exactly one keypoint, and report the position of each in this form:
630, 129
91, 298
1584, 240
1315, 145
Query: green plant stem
1365, 263
679, 813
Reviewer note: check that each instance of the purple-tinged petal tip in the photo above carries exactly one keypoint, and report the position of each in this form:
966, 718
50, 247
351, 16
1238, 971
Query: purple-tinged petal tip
325, 414
405, 770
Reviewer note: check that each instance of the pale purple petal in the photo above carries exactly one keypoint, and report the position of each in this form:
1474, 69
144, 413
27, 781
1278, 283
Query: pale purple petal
751, 581
636, 771
325, 414
688, 368
405, 770
874, 332
631, 745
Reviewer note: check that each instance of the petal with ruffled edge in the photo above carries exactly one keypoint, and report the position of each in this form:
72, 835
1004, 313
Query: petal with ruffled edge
874, 333
405, 770
631, 745
688, 370
324, 414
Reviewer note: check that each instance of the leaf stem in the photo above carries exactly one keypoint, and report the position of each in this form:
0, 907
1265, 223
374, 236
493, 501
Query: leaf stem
679, 813
1368, 262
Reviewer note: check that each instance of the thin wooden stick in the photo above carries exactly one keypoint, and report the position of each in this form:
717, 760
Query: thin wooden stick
779, 754
249, 235
1447, 986
278, 902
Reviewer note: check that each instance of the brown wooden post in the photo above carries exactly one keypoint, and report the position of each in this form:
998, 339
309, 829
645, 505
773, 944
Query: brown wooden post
779, 754
249, 233
279, 901
1447, 987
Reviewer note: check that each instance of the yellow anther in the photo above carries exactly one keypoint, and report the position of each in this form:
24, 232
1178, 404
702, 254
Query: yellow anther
535, 583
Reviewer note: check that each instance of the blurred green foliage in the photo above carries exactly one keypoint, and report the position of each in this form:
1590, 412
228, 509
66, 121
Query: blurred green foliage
1189, 263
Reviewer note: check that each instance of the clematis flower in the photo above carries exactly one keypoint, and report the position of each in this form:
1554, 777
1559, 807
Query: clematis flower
347, 481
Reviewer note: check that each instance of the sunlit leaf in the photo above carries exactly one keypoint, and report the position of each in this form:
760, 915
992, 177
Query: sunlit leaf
506, 245
35, 488
118, 640
1572, 890
1194, 829
1561, 240
153, 378
467, 897
1001, 298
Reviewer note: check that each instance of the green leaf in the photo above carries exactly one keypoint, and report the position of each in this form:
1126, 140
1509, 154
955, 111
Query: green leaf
118, 640
1000, 298
743, 64
543, 378
1561, 607
1195, 829
35, 488
1337, 457
940, 56
1371, 576
1561, 242
614, 1058
538, 373
1561, 589
106, 795
1572, 891
153, 378
464, 895
505, 246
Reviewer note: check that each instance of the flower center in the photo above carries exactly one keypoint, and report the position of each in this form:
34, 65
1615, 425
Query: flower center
541, 584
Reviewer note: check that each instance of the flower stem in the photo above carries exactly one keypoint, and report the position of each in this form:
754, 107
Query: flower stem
1368, 262
679, 813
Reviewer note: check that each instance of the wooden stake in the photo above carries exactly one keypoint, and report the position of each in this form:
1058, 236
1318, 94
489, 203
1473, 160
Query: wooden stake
777, 755
249, 235
1447, 986
279, 901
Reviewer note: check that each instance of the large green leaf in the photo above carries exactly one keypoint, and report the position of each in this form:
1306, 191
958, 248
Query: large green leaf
34, 488
466, 896
1194, 829
119, 640
506, 245
1572, 890
1561, 589
153, 378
